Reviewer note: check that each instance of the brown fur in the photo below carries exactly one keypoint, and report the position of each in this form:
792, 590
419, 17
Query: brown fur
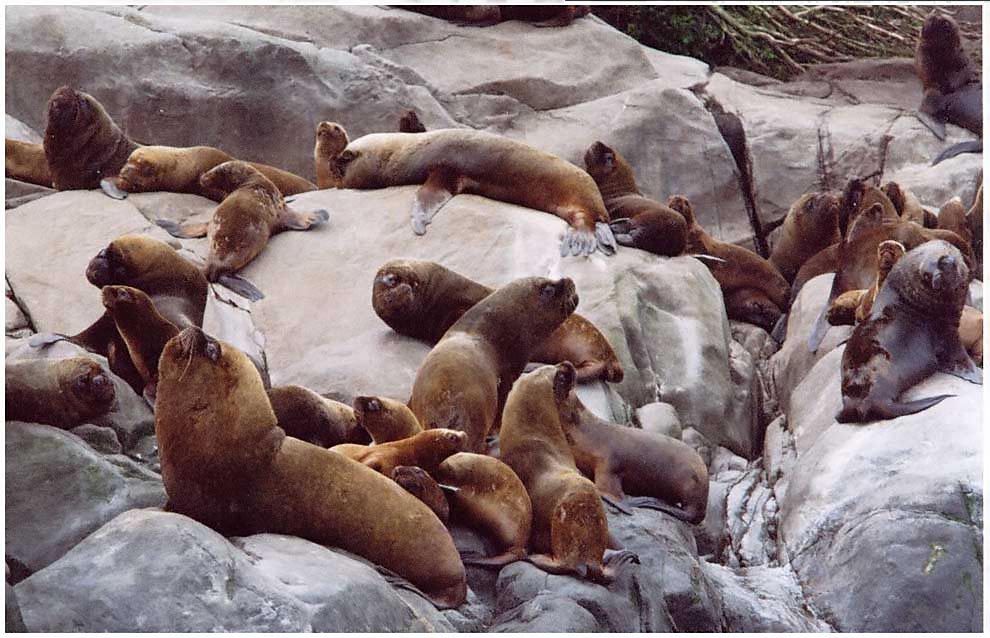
971, 333
811, 224
144, 330
952, 217
226, 463
951, 82
854, 306
410, 123
426, 450
60, 392
309, 417
26, 161
385, 419
907, 205
417, 482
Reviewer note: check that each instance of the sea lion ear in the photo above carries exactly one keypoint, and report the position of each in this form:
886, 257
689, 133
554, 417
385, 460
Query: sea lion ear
563, 380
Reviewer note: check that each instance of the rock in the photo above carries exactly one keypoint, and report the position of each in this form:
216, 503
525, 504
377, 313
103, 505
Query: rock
146, 451
744, 424
710, 534
762, 599
976, 294
14, 318
13, 623
103, 440
661, 418
58, 490
15, 129
18, 193
725, 462
751, 520
699, 444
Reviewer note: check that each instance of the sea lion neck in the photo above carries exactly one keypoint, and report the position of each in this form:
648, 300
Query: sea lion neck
618, 183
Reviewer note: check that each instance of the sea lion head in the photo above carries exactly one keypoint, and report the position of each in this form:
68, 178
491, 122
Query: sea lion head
888, 252
409, 122
599, 160
895, 194
71, 111
412, 478
445, 442
88, 385
547, 301
394, 293
124, 298
131, 259
822, 209
383, 418
611, 172
564, 381
331, 140
229, 176
932, 278
940, 31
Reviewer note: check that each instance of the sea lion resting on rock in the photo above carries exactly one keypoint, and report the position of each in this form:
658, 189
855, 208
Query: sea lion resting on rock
178, 170
451, 161
252, 210
385, 419
811, 224
570, 530
463, 382
422, 299
426, 450
637, 221
226, 463
309, 417
753, 290
26, 161
912, 331
625, 460
82, 144
60, 392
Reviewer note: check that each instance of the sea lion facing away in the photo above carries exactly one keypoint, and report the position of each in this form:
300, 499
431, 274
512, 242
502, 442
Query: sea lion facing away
912, 331
451, 161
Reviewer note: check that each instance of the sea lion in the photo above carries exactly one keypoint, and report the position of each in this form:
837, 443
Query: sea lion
82, 144
912, 331
422, 299
854, 306
252, 210
451, 161
753, 290
952, 85
417, 482
952, 216
179, 170
811, 224
26, 161
426, 450
637, 221
385, 419
488, 496
570, 530
60, 392
309, 417
626, 460
908, 206
409, 123
227, 464
971, 333
463, 382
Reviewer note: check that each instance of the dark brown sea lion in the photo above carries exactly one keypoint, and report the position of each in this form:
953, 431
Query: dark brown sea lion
451, 161
637, 221
82, 144
423, 299
178, 170
226, 463
409, 123
811, 225
252, 210
426, 450
385, 419
488, 496
854, 306
309, 417
60, 392
26, 161
570, 530
420, 484
912, 331
463, 382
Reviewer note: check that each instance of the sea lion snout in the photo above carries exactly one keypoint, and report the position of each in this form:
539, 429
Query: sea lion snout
98, 272
94, 384
599, 155
193, 340
63, 106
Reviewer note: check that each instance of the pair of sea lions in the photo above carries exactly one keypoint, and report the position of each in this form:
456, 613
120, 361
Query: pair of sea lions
447, 162
422, 299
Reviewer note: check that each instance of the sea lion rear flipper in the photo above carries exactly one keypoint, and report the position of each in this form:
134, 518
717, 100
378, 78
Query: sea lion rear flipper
606, 240
969, 146
959, 364
241, 286
617, 504
399, 582
439, 188
185, 231
109, 186
290, 219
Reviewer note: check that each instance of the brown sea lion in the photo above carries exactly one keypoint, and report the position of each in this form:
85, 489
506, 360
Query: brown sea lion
908, 206
451, 161
82, 144
637, 221
420, 484
626, 460
488, 496
60, 392
854, 306
951, 82
971, 333
570, 530
309, 417
409, 123
422, 299
811, 224
252, 210
385, 419
226, 463
178, 170
952, 216
426, 450
912, 331
753, 290
26, 161
463, 382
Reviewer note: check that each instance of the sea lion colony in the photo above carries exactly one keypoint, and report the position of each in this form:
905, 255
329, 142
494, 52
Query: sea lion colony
384, 477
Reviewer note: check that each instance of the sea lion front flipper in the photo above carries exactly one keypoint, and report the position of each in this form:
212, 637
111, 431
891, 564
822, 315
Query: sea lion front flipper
578, 242
290, 219
959, 364
439, 188
109, 186
606, 240
185, 231
779, 332
241, 286
617, 504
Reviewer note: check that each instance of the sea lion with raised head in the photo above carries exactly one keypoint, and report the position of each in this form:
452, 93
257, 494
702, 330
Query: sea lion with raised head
227, 464
912, 331
385, 419
426, 450
908, 206
463, 382
447, 162
423, 299
309, 417
60, 392
26, 161
811, 224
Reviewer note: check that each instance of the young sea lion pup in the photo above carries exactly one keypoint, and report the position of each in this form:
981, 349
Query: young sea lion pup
462, 383
570, 530
385, 419
306, 415
637, 221
626, 460
426, 450
451, 161
252, 210
422, 299
854, 306
226, 463
60, 392
912, 331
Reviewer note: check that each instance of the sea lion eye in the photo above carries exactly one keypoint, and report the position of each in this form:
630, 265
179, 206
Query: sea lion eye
547, 292
212, 351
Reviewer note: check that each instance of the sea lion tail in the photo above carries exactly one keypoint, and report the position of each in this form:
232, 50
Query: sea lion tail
969, 146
